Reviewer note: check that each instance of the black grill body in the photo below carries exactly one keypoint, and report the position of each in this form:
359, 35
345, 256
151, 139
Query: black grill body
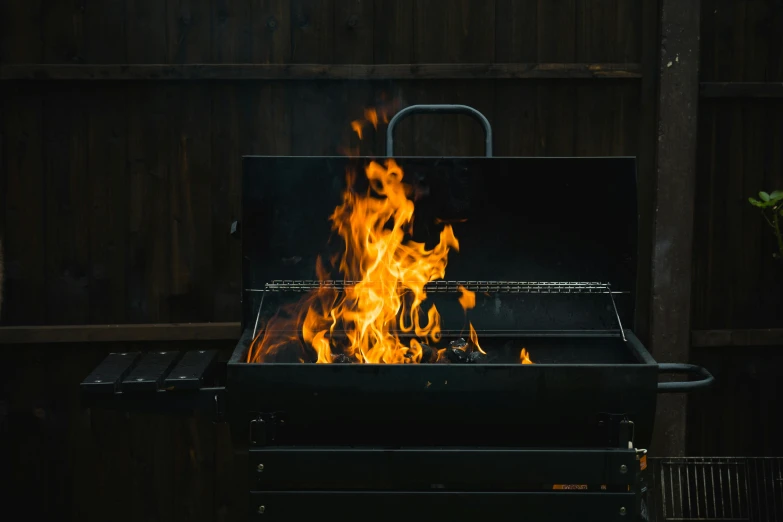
548, 244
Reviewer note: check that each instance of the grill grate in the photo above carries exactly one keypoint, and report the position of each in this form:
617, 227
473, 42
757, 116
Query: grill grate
441, 286
509, 287
718, 488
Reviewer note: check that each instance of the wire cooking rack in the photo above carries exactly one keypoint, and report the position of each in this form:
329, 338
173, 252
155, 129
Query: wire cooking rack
718, 488
509, 287
443, 286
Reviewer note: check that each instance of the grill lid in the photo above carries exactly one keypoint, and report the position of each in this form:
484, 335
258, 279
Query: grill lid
519, 222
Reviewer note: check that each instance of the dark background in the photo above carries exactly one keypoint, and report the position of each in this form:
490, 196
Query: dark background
117, 195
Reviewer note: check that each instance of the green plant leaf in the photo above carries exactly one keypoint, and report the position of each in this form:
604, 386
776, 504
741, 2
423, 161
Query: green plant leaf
776, 195
764, 196
756, 203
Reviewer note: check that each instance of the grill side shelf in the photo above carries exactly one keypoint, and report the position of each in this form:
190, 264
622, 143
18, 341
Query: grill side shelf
107, 376
148, 375
157, 382
189, 374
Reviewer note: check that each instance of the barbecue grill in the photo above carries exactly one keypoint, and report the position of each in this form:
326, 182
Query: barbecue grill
548, 246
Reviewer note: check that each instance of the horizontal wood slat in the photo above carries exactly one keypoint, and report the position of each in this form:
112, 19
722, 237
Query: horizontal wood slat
433, 71
119, 333
742, 89
744, 338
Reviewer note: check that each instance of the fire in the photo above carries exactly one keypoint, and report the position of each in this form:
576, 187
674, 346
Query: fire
524, 357
380, 316
372, 117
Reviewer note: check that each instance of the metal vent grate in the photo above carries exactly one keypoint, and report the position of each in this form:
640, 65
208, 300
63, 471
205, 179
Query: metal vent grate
718, 488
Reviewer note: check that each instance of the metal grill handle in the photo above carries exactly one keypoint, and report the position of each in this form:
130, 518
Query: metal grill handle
684, 386
441, 109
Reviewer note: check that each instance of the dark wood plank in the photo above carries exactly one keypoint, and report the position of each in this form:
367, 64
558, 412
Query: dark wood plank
771, 134
105, 31
749, 273
516, 40
148, 275
458, 31
63, 32
194, 469
107, 136
353, 31
454, 31
741, 89
556, 31
190, 196
393, 31
229, 143
673, 236
189, 31
556, 108
67, 193
271, 31
310, 71
707, 227
630, 31
725, 338
164, 332
353, 43
597, 28
393, 34
556, 112
149, 238
154, 446
736, 278
227, 478
746, 392
312, 31
315, 113
105, 42
146, 30
599, 119
20, 32
232, 31
23, 243
516, 31
728, 41
708, 33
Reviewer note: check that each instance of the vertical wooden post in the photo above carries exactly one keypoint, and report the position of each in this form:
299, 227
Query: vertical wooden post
678, 97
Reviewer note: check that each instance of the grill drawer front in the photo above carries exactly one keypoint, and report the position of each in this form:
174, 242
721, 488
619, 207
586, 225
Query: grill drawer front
453, 468
273, 506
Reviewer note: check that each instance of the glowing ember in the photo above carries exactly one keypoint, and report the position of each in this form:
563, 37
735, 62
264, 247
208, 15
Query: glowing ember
389, 271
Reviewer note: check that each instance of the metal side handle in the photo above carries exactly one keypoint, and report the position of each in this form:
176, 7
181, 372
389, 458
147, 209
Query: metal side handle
684, 386
442, 109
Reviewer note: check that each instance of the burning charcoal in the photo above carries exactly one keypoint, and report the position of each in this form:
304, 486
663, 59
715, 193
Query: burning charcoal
476, 357
458, 351
428, 354
341, 358
459, 344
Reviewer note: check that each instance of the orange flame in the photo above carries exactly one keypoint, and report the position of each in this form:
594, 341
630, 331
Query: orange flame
389, 271
524, 357
380, 317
